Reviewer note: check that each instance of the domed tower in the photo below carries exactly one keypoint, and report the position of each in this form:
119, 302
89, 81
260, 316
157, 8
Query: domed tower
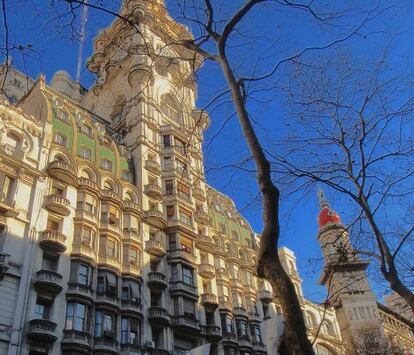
347, 284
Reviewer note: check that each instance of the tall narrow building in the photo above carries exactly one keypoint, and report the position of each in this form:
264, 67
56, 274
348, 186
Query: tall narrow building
359, 315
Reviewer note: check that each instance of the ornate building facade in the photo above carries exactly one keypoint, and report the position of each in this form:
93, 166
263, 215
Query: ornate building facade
111, 241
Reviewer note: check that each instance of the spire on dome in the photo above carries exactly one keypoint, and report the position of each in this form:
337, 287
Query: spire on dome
323, 202
326, 215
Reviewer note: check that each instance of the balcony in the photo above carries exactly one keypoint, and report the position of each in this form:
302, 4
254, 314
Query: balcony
84, 212
174, 130
155, 248
106, 344
186, 323
108, 260
42, 331
158, 316
153, 166
131, 268
201, 217
85, 251
152, 123
154, 191
225, 304
76, 341
209, 300
230, 338
183, 288
132, 235
240, 311
265, 296
205, 243
109, 222
157, 281
133, 207
109, 195
259, 347
199, 194
132, 306
88, 184
57, 204
52, 240
212, 332
7, 206
254, 317
108, 299
182, 254
62, 171
236, 283
48, 282
202, 118
245, 343
156, 218
4, 264
222, 274
206, 270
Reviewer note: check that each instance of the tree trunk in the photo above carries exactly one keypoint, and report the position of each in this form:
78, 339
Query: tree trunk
294, 340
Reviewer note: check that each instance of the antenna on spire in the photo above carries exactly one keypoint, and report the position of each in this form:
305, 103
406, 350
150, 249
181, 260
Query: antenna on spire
321, 197
82, 35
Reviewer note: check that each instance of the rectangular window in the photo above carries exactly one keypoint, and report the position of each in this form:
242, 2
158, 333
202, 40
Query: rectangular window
85, 153
170, 212
52, 225
134, 257
187, 275
100, 285
75, 316
107, 165
180, 146
169, 187
185, 218
226, 323
223, 228
110, 248
189, 308
8, 184
83, 275
172, 241
166, 141
41, 310
242, 328
167, 164
174, 273
60, 139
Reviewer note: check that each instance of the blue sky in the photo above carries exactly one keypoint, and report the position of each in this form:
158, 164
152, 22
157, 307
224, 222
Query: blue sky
270, 34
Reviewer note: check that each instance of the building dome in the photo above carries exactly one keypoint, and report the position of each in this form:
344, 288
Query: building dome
328, 215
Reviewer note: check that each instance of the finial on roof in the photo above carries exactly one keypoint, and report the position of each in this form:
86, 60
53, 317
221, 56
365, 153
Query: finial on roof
322, 200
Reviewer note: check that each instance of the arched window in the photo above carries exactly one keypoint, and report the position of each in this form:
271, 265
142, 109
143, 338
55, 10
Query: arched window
129, 196
310, 320
13, 140
329, 328
87, 174
108, 186
170, 108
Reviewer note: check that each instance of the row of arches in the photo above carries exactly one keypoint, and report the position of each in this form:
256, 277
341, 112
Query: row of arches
106, 182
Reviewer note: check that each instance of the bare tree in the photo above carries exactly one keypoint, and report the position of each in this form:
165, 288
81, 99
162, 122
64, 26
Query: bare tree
357, 117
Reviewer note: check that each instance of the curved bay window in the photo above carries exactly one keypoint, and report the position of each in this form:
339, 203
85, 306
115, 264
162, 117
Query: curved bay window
130, 331
131, 292
105, 324
76, 317
107, 284
227, 323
